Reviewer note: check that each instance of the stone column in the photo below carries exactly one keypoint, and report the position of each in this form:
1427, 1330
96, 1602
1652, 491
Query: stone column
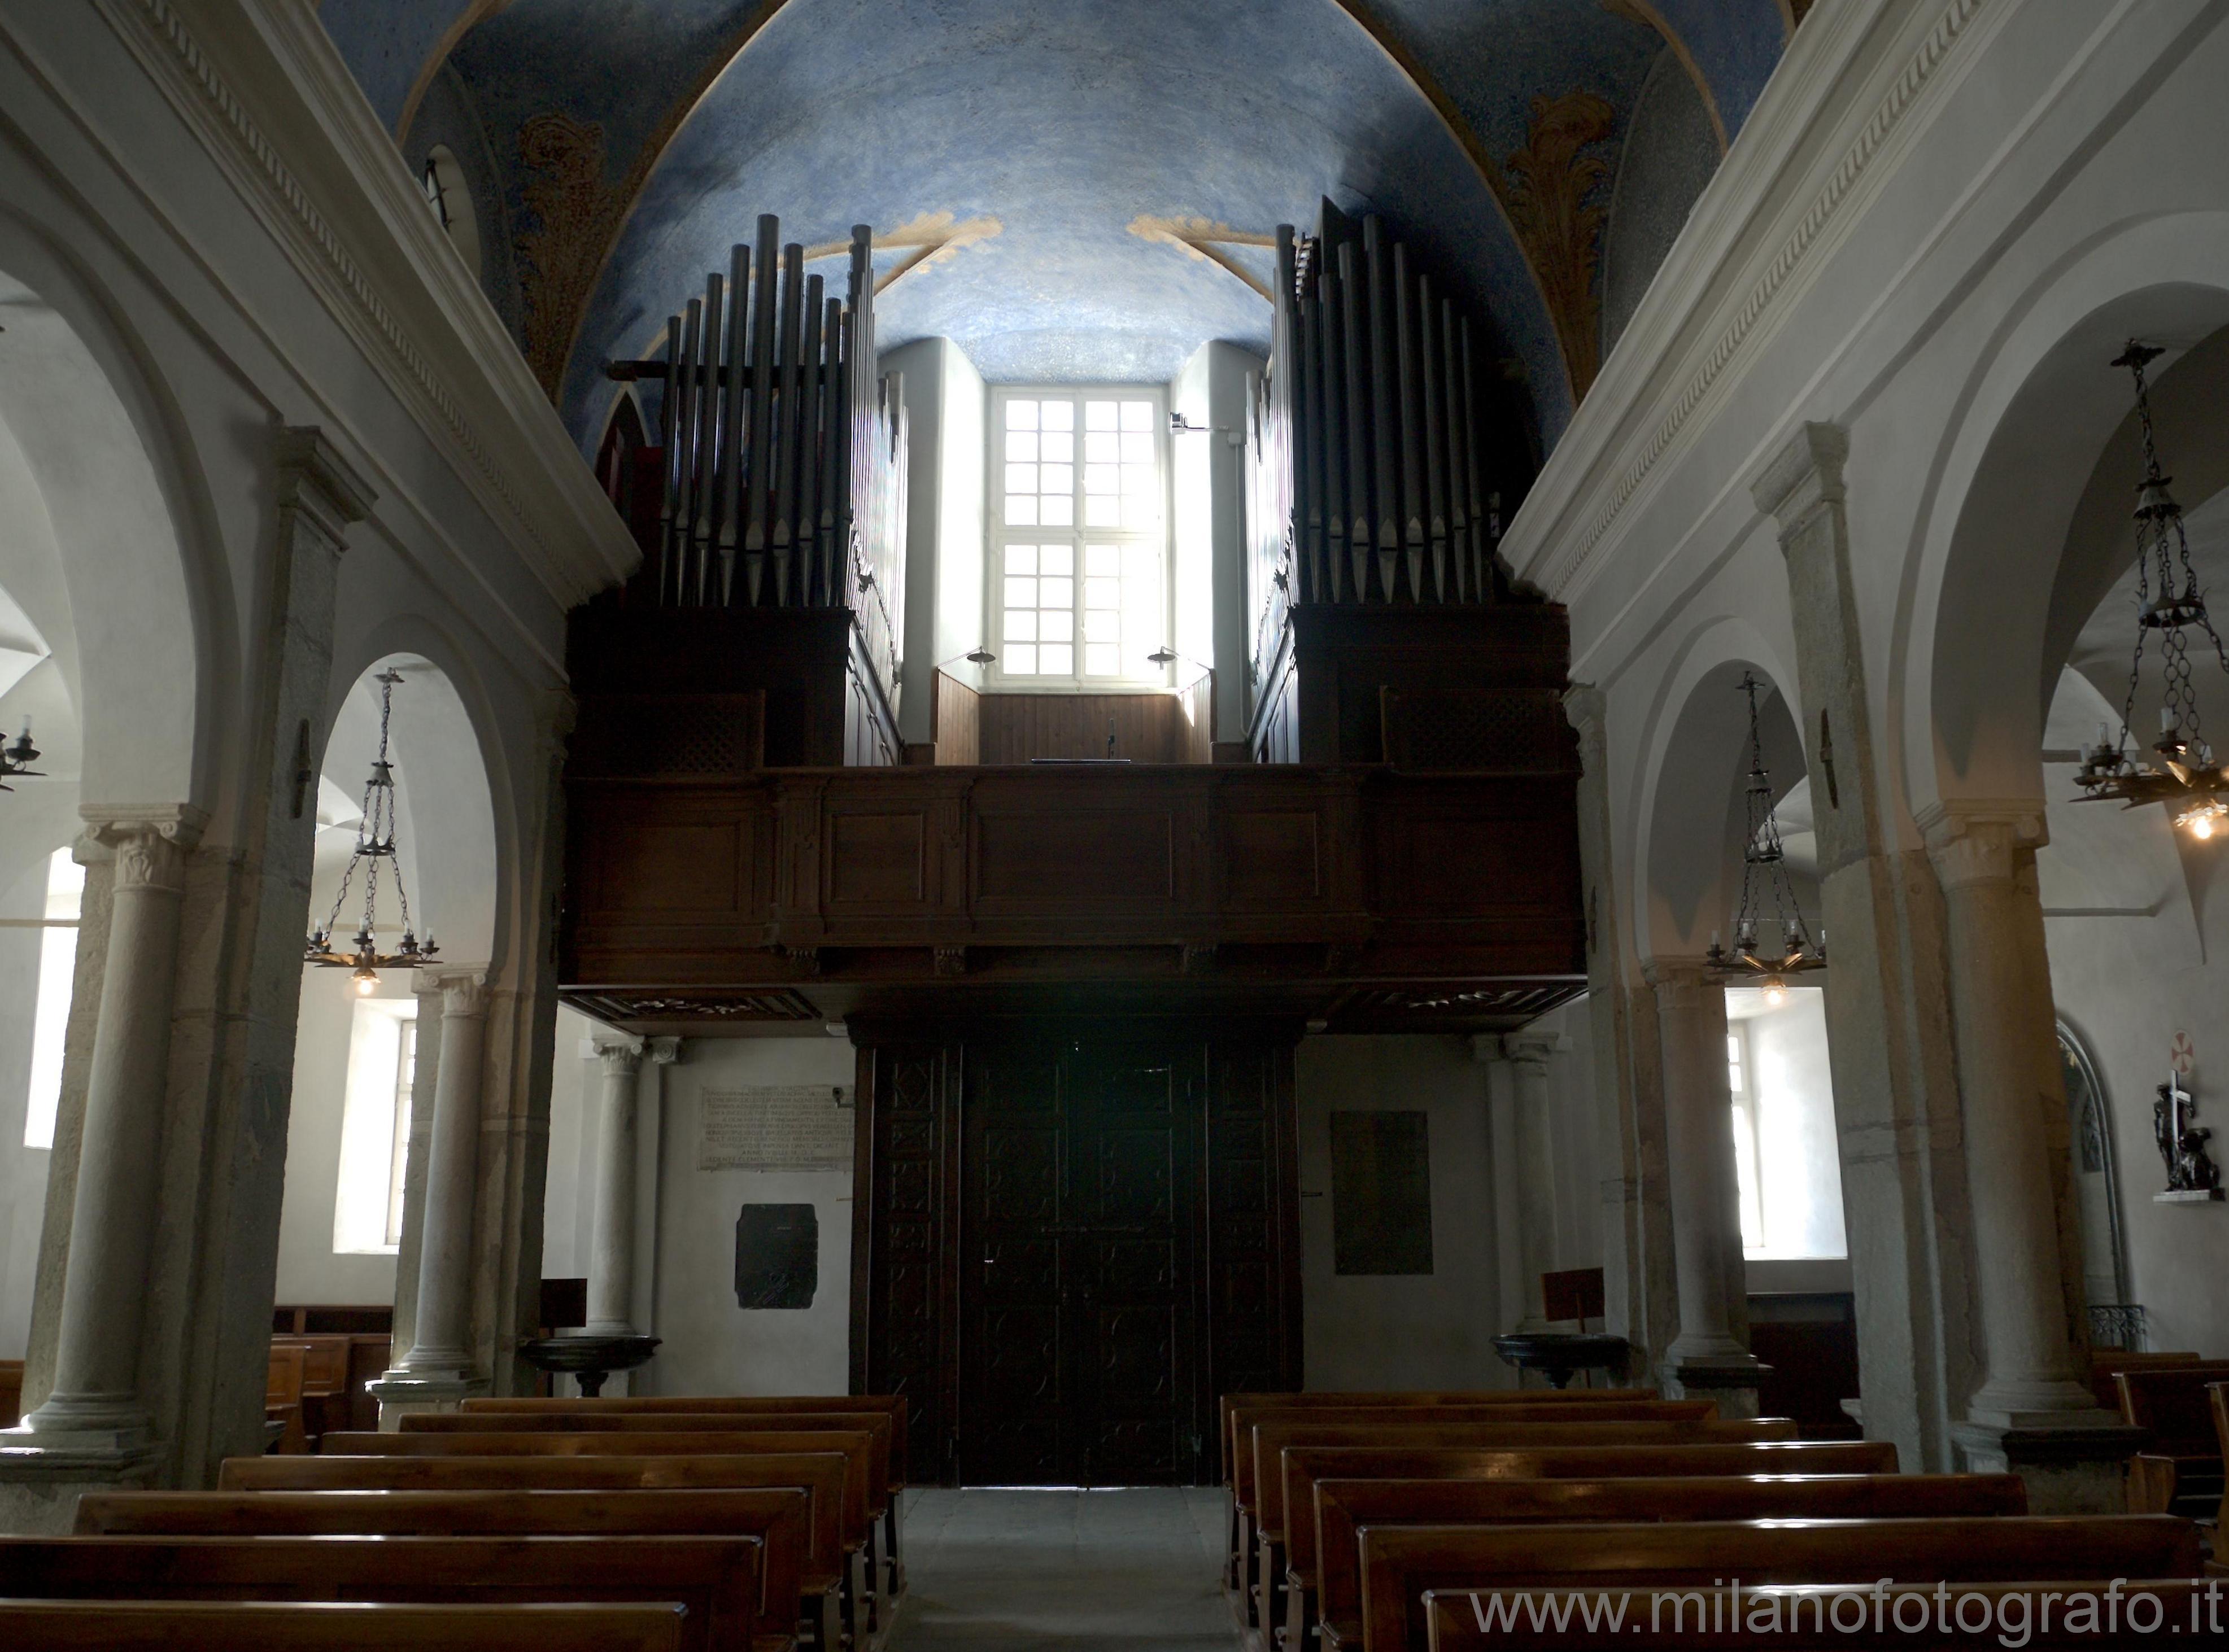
1706, 1357
1994, 1012
1532, 1135
1639, 1298
1896, 1102
611, 1264
95, 1411
439, 1370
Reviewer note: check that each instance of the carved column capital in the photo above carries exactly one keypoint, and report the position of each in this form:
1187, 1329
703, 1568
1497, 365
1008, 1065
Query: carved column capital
147, 843
664, 1052
322, 490
1971, 844
1680, 982
464, 992
1528, 1048
620, 1061
1805, 476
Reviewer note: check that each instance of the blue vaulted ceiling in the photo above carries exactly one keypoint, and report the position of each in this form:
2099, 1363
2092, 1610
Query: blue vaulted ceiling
630, 142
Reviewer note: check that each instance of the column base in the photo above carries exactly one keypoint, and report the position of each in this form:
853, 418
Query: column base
400, 1393
2074, 1463
1732, 1383
42, 1474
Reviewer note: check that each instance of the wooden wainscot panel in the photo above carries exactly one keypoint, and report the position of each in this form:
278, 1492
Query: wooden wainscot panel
1046, 861
643, 851
1470, 850
878, 858
1273, 857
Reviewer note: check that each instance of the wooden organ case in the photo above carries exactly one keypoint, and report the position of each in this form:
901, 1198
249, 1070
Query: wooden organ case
1074, 989
769, 603
1384, 631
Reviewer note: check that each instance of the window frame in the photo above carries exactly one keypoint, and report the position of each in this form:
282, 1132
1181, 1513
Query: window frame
999, 535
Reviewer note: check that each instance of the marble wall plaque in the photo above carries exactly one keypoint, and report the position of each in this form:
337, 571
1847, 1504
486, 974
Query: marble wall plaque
776, 1127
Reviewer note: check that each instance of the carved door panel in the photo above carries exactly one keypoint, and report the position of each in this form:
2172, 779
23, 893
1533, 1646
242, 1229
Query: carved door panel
1072, 1242
1076, 1282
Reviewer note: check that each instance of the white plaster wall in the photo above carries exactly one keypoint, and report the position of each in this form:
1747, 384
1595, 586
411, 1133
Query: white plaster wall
946, 405
22, 1169
1207, 472
1419, 1331
712, 1347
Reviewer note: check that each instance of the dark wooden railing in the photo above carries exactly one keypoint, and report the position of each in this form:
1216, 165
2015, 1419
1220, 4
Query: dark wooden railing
1453, 899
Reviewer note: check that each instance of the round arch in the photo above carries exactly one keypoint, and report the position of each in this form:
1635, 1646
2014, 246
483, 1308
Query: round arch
147, 645
459, 835
2038, 411
1695, 743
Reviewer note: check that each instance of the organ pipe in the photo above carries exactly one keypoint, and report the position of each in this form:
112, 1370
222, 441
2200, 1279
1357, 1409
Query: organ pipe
785, 459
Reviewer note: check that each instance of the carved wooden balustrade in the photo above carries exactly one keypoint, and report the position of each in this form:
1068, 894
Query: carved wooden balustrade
1356, 894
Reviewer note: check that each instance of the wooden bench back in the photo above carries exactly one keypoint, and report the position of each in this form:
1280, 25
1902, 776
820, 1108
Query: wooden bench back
780, 1517
880, 1463
1226, 1428
892, 1406
1247, 1420
2172, 1402
1399, 1563
862, 1497
715, 1578
2006, 1613
1304, 1466
820, 1473
1271, 1439
2105, 1364
1343, 1507
228, 1626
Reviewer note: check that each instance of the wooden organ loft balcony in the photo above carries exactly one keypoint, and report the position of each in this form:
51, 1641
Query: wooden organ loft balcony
748, 854
708, 893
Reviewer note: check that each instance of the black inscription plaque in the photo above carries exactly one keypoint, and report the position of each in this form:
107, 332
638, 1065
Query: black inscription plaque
778, 1255
1381, 1192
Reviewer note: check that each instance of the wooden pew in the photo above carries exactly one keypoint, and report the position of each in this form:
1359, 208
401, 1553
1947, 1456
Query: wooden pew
11, 1392
1307, 1466
892, 1406
823, 1474
681, 1415
264, 1626
1246, 1419
1400, 1563
2007, 1613
282, 1397
1229, 1443
2217, 1394
864, 1443
715, 1578
2181, 1471
781, 1518
1267, 1507
1403, 1562
2105, 1364
1344, 1508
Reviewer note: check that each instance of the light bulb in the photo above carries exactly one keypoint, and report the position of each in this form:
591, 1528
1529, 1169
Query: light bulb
2202, 827
1776, 991
367, 981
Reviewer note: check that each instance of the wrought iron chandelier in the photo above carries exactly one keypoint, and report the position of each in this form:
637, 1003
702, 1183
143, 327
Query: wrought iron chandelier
374, 842
1764, 880
16, 757
2180, 771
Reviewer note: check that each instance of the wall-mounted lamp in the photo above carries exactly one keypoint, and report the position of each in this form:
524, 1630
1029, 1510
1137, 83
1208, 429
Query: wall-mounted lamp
1165, 656
1180, 425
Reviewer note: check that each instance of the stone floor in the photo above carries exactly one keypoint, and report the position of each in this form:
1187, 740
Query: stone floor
1022, 1571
